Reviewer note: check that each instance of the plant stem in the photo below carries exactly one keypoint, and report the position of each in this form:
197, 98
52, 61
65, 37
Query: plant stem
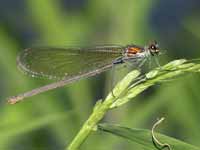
100, 110
97, 114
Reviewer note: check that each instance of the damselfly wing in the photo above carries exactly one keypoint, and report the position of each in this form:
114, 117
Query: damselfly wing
65, 63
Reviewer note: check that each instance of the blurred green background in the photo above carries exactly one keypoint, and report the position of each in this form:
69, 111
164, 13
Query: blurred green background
50, 120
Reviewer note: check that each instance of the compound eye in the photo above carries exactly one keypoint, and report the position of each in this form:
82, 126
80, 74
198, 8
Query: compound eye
153, 47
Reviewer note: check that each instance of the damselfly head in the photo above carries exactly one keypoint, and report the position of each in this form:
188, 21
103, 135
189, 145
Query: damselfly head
154, 48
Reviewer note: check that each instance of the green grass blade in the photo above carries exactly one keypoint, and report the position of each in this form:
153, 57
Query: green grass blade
144, 138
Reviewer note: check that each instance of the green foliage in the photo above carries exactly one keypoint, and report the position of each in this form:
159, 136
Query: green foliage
51, 120
143, 137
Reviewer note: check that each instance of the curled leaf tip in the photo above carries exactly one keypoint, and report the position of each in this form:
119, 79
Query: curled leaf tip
155, 140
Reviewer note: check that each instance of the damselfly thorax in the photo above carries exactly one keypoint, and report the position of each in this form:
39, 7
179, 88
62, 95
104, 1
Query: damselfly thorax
134, 53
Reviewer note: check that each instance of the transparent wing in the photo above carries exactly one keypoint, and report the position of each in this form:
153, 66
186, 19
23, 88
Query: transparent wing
63, 63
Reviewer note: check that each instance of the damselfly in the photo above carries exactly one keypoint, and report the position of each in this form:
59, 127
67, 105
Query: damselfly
71, 64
